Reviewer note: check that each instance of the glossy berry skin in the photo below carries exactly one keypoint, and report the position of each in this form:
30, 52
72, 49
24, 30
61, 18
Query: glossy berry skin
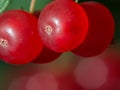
62, 25
46, 56
20, 42
100, 30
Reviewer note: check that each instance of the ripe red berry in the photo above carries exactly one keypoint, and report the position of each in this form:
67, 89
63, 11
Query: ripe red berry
20, 42
100, 30
46, 56
62, 25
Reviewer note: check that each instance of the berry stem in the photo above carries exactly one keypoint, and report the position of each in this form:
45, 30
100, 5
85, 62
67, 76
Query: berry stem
32, 6
76, 1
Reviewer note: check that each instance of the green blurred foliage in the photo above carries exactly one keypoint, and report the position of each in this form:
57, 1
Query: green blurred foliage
24, 4
3, 5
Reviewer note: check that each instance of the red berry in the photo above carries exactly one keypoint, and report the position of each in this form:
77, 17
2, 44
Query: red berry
100, 30
20, 42
46, 56
63, 25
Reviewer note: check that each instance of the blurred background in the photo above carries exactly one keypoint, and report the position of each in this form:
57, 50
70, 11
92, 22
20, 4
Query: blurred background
62, 73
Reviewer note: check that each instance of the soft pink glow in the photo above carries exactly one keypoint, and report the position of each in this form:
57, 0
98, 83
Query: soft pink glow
91, 73
42, 81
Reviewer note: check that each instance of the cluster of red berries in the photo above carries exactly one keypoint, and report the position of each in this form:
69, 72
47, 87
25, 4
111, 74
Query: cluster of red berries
86, 29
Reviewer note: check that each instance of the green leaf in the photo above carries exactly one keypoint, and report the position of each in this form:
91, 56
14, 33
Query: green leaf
3, 5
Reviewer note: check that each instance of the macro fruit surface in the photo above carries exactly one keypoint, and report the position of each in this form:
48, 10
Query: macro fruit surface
20, 42
101, 29
62, 25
